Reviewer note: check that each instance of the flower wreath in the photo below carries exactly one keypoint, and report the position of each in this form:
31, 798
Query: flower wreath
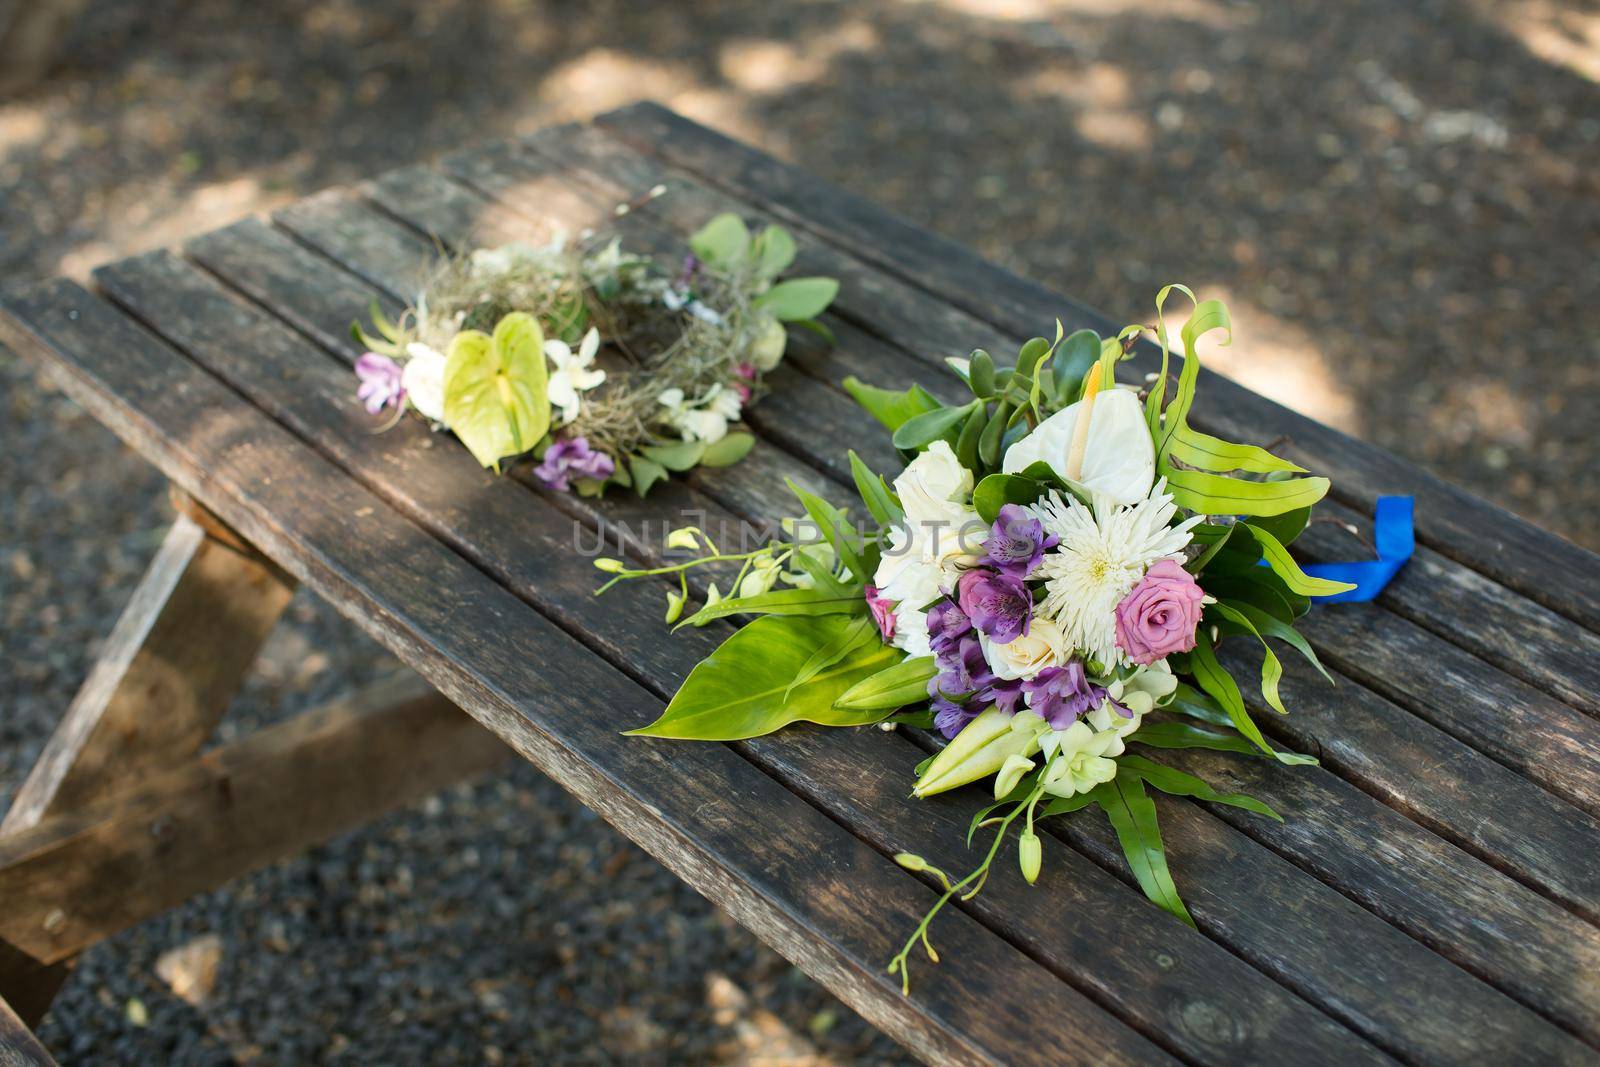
1044, 583
501, 349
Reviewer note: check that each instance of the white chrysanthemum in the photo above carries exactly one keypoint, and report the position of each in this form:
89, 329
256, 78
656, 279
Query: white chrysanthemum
1101, 556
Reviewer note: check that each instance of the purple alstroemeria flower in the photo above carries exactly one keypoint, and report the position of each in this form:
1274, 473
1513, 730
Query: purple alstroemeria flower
1060, 695
1002, 693
1017, 541
573, 457
963, 670
882, 609
947, 624
949, 718
998, 604
380, 382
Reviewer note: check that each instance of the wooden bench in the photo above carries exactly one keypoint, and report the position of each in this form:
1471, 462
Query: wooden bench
1431, 897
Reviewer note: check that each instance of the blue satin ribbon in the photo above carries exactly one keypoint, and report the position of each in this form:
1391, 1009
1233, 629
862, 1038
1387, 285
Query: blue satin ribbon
1393, 535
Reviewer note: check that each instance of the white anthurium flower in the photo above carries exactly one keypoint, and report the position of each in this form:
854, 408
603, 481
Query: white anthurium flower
1044, 645
1078, 759
423, 379
1119, 461
1102, 555
771, 340
574, 373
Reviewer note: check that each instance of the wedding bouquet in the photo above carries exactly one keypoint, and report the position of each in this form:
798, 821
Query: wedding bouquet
1045, 584
501, 349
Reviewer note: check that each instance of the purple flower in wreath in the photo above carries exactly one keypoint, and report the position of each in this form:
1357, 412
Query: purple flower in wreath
1016, 542
998, 604
882, 609
947, 624
380, 382
1060, 695
573, 457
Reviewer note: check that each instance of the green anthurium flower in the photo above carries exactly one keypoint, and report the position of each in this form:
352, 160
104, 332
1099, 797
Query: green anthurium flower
496, 389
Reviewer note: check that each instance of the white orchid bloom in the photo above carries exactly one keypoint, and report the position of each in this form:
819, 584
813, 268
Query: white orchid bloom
1120, 460
1079, 759
694, 423
423, 379
573, 373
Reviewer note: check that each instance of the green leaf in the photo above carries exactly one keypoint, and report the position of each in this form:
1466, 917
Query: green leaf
1217, 494
998, 490
1079, 352
723, 242
739, 691
798, 298
1259, 587
861, 631
1284, 566
1222, 688
837, 529
678, 456
893, 687
819, 328
1133, 817
1186, 735
980, 374
1269, 626
646, 472
772, 251
875, 494
495, 389
891, 407
1271, 668
728, 451
1285, 527
1187, 700
1208, 315
989, 450
967, 443
1180, 784
1195, 449
1029, 355
922, 430
1158, 390
781, 602
1063, 805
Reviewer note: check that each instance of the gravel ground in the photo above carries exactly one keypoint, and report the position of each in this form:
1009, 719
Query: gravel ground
1399, 202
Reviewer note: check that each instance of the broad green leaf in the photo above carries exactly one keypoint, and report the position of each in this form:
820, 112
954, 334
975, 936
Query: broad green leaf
728, 451
821, 329
861, 632
893, 687
1063, 805
1271, 668
989, 445
1285, 527
678, 456
837, 529
1029, 355
1181, 784
1187, 700
646, 472
723, 242
1284, 566
922, 430
739, 690
998, 490
1257, 586
1219, 684
781, 602
1218, 494
772, 251
1195, 449
971, 431
980, 373
1186, 735
495, 389
875, 493
1077, 354
798, 298
893, 408
1133, 817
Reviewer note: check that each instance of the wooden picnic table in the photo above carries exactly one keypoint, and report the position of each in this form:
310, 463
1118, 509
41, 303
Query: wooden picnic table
1431, 896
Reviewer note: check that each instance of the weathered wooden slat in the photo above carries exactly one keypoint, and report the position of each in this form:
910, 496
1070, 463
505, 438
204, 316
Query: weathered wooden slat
821, 896
1398, 757
520, 540
27, 984
313, 235
74, 879
165, 676
1531, 641
18, 1046
1460, 525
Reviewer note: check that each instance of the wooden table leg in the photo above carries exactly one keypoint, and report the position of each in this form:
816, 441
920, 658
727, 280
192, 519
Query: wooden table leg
172, 664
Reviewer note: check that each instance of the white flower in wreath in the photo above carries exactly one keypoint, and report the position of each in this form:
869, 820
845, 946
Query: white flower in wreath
423, 379
573, 373
704, 420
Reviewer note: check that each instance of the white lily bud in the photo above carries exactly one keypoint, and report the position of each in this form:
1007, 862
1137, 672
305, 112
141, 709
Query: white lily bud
980, 750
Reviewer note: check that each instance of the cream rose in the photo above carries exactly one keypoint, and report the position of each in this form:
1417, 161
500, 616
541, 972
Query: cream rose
1044, 645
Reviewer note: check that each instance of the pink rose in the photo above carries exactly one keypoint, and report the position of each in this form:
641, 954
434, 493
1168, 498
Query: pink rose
1159, 617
